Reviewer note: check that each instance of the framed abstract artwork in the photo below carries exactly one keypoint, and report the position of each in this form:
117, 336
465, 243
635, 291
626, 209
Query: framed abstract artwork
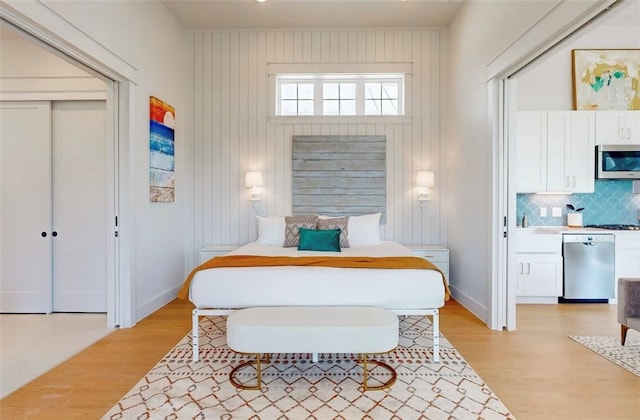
161, 151
606, 79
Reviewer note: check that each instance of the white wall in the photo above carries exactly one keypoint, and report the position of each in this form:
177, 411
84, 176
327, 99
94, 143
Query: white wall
482, 34
233, 132
144, 40
29, 72
547, 84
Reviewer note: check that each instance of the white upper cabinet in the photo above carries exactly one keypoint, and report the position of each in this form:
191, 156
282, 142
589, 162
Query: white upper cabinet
580, 149
531, 151
555, 151
618, 127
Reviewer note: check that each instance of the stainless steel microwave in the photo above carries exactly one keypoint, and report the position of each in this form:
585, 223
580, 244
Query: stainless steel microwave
618, 161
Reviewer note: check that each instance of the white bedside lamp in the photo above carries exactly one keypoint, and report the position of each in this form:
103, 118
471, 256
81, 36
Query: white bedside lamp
425, 180
253, 180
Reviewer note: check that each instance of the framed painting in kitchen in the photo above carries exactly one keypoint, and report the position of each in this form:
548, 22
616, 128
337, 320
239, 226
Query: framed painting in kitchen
606, 79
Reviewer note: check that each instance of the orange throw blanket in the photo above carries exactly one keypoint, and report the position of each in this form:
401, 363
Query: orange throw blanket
338, 262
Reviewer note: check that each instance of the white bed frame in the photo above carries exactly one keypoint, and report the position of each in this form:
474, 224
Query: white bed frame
434, 313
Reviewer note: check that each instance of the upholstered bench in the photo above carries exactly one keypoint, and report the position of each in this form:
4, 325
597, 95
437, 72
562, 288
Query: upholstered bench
325, 329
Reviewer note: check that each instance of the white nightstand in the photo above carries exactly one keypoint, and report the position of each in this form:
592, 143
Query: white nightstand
207, 252
435, 254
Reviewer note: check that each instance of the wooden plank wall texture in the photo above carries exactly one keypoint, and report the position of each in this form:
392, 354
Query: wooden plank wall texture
232, 131
339, 175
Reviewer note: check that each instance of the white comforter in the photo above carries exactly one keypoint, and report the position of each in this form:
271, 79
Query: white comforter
241, 287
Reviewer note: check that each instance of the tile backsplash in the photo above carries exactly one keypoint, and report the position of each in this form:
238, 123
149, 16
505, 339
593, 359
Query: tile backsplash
612, 202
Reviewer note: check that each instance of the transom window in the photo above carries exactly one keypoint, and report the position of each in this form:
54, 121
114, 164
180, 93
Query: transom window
339, 94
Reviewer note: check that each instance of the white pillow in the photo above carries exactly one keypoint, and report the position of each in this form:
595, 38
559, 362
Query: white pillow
270, 230
364, 230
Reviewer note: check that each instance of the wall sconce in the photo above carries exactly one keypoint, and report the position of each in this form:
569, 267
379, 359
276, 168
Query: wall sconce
254, 181
425, 180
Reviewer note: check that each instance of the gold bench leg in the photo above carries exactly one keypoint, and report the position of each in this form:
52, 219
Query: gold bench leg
365, 374
237, 384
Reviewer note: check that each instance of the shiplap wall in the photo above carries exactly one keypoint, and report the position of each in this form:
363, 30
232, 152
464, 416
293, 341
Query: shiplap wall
233, 132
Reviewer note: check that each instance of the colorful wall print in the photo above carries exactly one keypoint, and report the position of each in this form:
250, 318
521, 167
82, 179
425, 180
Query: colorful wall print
606, 79
162, 152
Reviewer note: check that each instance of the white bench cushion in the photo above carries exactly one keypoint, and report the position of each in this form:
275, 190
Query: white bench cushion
316, 329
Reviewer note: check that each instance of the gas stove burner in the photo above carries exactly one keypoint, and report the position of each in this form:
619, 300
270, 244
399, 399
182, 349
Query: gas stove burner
615, 227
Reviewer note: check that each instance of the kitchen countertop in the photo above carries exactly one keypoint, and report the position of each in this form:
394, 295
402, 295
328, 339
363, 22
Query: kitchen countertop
537, 230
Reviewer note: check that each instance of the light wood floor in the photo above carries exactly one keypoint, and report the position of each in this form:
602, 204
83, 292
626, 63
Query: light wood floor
537, 371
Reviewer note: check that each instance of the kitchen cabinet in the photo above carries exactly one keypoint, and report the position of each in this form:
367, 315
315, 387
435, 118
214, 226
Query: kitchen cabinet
555, 151
617, 127
435, 254
539, 274
627, 255
539, 267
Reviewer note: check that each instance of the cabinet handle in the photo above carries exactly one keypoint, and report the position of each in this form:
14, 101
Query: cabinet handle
566, 181
528, 268
521, 268
574, 181
628, 133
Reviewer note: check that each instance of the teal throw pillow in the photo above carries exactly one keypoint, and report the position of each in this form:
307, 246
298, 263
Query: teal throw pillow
319, 240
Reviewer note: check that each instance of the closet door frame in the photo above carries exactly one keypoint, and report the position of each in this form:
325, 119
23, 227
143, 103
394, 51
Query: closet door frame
44, 27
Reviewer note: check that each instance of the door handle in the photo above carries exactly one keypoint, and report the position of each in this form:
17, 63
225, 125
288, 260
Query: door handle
54, 233
43, 234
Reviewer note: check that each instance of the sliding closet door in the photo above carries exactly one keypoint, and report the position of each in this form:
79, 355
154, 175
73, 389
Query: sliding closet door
79, 206
25, 207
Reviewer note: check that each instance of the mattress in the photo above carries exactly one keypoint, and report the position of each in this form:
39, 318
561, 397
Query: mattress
243, 287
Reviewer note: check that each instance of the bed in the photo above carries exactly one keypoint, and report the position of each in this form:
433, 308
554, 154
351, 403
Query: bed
367, 273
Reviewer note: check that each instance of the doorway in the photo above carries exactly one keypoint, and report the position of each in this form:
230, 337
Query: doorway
114, 98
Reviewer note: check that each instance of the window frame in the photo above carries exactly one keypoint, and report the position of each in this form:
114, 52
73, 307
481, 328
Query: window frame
360, 79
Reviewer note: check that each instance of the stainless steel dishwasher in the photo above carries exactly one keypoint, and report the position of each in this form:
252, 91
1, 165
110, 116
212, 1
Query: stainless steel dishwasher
589, 267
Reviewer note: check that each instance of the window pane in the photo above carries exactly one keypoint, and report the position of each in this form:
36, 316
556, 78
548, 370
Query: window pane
389, 107
330, 91
347, 91
305, 107
330, 107
372, 91
305, 90
289, 91
288, 107
390, 91
348, 107
371, 107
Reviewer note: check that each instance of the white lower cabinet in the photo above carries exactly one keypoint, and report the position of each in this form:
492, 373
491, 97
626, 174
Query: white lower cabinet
627, 255
538, 267
539, 274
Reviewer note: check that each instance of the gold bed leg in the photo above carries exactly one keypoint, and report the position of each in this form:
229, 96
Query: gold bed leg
258, 384
365, 374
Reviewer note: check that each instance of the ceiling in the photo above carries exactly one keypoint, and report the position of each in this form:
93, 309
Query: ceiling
281, 14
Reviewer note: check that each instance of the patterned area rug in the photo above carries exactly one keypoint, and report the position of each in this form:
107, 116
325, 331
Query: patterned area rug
295, 388
627, 356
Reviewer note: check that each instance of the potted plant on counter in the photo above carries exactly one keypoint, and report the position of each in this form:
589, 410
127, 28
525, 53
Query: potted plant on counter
574, 217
